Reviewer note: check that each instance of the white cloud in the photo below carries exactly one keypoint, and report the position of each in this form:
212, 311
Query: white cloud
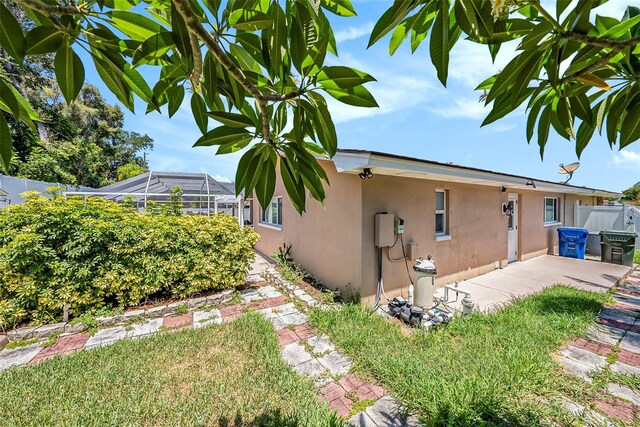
470, 63
396, 88
221, 178
352, 33
502, 127
466, 107
626, 158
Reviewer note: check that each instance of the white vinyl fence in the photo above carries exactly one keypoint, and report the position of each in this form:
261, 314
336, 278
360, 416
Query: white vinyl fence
599, 218
11, 188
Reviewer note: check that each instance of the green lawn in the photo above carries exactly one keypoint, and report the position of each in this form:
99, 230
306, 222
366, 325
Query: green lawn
229, 375
480, 370
636, 257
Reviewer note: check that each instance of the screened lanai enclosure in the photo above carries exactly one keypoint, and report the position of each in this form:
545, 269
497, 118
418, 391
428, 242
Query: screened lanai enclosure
200, 194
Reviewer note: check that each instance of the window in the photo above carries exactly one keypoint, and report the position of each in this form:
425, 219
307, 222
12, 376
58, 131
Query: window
441, 212
550, 209
273, 213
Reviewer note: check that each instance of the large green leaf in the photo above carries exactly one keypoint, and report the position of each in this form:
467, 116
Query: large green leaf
292, 183
390, 18
9, 99
630, 129
113, 81
222, 135
153, 49
42, 40
338, 77
249, 20
543, 128
11, 37
6, 147
439, 42
199, 110
339, 7
181, 38
581, 107
176, 96
69, 72
267, 184
231, 119
324, 124
357, 96
135, 25
585, 132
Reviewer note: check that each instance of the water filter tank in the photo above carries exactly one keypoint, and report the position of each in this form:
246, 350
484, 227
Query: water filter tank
425, 282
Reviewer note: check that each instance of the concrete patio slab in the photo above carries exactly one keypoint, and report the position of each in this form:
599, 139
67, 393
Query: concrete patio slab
491, 290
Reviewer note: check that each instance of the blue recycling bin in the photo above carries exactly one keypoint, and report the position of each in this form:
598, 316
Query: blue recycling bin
572, 241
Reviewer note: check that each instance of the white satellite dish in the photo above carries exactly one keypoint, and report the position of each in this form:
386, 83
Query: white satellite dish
568, 169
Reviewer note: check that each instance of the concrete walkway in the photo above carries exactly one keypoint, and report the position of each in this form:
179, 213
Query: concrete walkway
494, 289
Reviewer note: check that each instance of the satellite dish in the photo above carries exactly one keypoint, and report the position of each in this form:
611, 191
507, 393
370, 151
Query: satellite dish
568, 169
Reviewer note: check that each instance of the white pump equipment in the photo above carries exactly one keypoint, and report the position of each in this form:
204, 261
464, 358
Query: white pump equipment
425, 282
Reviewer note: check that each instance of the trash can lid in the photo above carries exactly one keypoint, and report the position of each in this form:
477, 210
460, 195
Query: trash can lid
584, 230
425, 266
618, 233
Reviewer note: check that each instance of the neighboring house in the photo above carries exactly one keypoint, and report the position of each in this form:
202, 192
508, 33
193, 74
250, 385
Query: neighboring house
201, 194
458, 215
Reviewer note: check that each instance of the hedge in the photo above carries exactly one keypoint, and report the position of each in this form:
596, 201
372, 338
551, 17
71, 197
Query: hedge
95, 253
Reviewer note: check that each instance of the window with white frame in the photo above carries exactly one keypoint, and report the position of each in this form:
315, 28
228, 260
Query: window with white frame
551, 210
272, 215
441, 213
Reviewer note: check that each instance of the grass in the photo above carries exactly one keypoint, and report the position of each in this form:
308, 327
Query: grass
482, 369
636, 257
228, 375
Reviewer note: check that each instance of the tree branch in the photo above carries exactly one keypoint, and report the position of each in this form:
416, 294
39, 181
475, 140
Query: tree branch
593, 67
602, 42
195, 26
274, 97
197, 61
48, 10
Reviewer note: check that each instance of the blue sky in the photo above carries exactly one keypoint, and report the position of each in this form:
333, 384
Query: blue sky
417, 116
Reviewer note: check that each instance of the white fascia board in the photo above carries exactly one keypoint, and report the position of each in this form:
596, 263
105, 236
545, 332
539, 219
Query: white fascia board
354, 162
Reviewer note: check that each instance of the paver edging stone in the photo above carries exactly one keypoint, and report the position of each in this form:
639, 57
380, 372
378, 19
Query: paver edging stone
45, 331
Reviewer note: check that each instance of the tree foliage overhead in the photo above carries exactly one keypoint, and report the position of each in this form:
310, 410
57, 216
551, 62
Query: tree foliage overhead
257, 69
81, 143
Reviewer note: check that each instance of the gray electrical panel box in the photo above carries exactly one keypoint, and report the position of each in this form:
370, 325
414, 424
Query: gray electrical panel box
384, 230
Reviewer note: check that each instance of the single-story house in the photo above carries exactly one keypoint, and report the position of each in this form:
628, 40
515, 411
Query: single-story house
470, 220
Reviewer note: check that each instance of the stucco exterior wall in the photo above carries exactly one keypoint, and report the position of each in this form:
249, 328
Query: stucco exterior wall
326, 240
335, 242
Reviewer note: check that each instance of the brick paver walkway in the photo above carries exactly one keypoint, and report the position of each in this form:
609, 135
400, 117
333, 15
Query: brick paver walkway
308, 353
613, 343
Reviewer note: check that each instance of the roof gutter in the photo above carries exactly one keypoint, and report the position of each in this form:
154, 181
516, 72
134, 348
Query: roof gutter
351, 162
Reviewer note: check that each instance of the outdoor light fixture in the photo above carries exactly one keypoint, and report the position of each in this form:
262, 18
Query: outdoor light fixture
531, 183
366, 173
503, 189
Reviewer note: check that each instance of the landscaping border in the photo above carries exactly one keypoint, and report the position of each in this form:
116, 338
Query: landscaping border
66, 328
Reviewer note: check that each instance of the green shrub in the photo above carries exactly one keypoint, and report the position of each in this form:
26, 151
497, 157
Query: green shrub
95, 253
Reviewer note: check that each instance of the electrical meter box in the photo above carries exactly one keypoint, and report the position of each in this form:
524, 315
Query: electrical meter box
384, 229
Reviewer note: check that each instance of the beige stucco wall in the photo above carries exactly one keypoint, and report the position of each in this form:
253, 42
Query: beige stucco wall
335, 242
326, 239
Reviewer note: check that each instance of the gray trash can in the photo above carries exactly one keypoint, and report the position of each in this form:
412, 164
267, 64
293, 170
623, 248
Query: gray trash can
618, 247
